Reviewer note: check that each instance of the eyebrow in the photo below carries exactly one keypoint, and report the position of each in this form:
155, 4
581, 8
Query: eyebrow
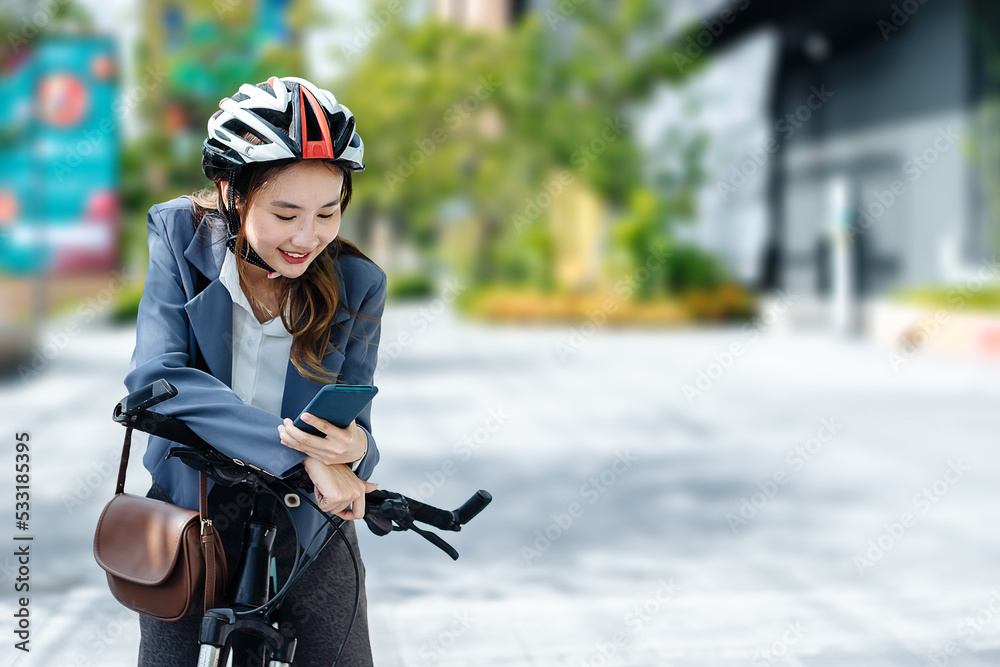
287, 204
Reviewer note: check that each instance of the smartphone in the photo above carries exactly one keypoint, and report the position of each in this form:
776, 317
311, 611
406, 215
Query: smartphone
338, 404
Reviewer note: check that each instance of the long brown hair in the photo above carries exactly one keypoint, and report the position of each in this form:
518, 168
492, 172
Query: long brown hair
311, 299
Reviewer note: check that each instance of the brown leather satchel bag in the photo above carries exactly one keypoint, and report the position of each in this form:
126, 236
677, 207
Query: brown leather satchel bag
161, 559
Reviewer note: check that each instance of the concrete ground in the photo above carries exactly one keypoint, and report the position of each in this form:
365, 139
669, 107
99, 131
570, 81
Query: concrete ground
709, 498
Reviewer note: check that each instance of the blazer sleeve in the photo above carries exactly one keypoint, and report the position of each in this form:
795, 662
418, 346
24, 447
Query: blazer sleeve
360, 359
207, 405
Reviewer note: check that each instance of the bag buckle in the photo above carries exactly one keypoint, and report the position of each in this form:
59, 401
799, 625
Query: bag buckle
205, 523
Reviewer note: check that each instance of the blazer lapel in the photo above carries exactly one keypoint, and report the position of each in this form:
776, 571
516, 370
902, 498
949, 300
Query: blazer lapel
210, 312
211, 316
207, 248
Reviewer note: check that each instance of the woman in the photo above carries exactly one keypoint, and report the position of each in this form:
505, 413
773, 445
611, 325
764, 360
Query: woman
251, 304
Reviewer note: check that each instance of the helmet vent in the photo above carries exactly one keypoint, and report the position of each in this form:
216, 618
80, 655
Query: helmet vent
241, 129
275, 118
313, 130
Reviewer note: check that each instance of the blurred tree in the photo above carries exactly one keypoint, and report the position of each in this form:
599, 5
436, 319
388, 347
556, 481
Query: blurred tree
504, 121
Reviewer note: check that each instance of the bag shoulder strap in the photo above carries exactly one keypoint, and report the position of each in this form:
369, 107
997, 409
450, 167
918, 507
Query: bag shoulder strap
209, 538
202, 482
209, 544
123, 465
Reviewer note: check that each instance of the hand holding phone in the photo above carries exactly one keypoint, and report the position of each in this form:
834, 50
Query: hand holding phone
338, 404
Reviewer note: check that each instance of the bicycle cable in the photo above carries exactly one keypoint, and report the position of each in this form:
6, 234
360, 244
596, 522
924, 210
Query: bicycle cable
354, 561
302, 559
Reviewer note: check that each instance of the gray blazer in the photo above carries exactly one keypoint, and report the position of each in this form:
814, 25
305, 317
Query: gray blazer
173, 320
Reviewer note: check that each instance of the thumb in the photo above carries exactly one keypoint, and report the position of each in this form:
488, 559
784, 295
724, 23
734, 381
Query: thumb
370, 486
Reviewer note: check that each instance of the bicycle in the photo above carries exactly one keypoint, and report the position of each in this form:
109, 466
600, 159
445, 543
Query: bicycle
246, 627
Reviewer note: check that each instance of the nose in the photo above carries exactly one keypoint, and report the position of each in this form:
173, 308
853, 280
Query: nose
306, 236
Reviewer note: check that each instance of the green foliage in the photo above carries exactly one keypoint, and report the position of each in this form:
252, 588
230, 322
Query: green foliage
690, 268
986, 299
984, 152
34, 19
642, 240
410, 286
525, 261
125, 307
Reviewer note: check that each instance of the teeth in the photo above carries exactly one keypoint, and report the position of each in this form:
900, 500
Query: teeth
292, 254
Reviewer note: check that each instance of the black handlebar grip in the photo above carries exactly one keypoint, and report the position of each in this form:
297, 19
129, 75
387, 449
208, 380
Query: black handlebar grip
143, 399
472, 507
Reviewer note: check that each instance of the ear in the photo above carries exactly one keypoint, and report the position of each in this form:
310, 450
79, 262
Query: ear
224, 187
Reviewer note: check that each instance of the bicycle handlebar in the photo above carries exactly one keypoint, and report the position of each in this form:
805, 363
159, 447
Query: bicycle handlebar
385, 511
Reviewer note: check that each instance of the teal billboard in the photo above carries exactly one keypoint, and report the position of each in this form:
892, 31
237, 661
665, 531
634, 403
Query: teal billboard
59, 209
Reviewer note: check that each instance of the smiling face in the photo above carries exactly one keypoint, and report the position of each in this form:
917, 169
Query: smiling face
295, 215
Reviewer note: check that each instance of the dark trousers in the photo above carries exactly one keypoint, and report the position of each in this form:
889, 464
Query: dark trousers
316, 609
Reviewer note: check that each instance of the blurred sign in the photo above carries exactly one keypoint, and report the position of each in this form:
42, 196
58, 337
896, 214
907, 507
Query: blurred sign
59, 159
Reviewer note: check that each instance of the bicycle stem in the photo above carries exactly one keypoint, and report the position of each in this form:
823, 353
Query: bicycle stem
252, 588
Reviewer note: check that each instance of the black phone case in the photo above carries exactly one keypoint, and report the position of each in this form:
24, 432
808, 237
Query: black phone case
337, 404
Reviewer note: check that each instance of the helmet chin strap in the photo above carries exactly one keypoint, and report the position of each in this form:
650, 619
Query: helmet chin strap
233, 226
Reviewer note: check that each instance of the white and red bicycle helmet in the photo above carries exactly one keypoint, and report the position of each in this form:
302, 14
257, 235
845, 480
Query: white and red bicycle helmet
292, 119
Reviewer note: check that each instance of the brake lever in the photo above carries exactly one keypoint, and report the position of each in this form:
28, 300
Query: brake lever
388, 511
436, 541
383, 525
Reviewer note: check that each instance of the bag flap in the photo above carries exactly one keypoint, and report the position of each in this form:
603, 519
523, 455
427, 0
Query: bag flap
139, 539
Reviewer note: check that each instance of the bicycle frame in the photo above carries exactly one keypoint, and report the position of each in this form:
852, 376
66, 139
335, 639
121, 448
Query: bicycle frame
253, 590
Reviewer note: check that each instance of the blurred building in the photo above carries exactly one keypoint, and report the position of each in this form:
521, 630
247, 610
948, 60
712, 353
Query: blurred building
481, 14
59, 158
847, 131
60, 225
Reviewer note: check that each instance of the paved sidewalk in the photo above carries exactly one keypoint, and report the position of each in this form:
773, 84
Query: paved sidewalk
616, 535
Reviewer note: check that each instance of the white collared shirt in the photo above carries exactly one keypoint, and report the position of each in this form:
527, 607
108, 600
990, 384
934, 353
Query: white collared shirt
260, 351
